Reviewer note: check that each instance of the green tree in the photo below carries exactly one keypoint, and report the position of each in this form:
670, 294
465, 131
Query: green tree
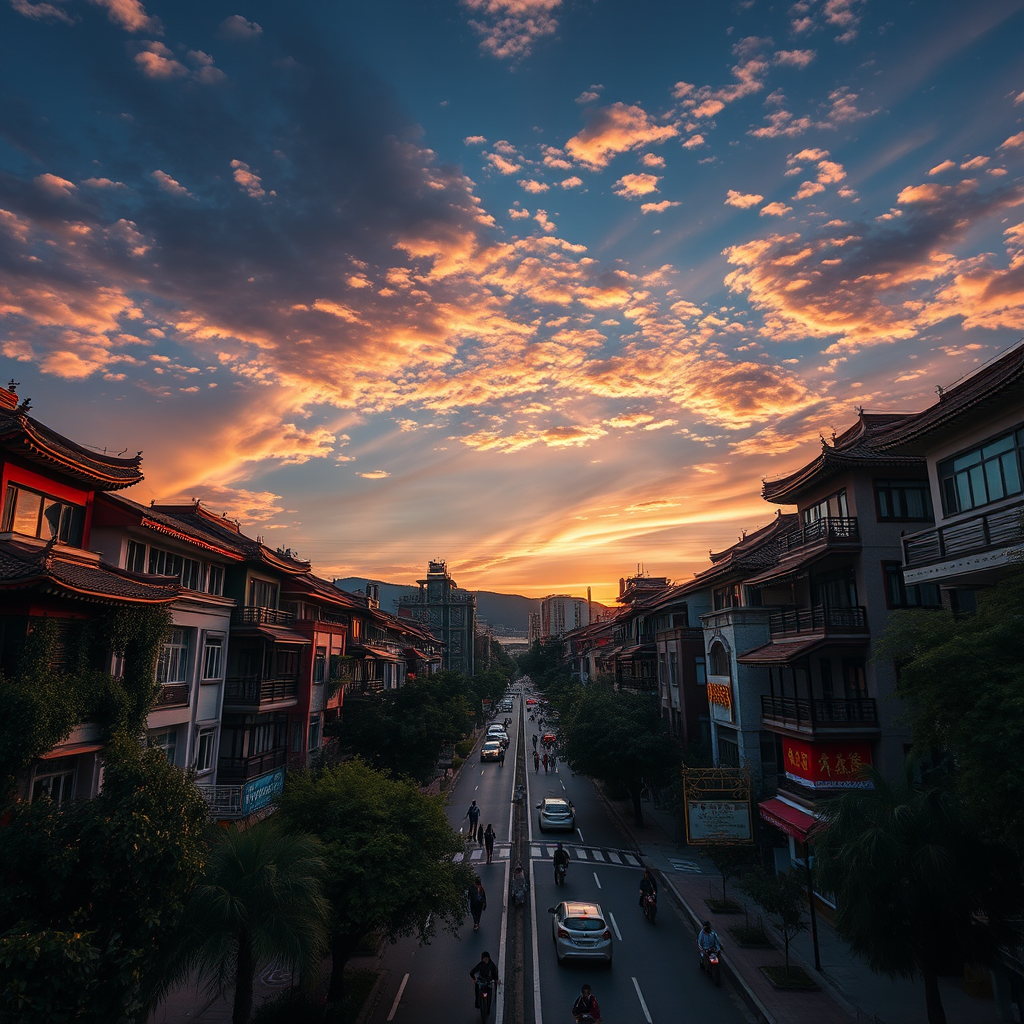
619, 738
728, 858
915, 885
781, 897
260, 902
389, 852
963, 680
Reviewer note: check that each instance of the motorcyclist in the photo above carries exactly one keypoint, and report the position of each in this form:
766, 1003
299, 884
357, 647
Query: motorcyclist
648, 886
486, 970
708, 941
585, 1007
561, 858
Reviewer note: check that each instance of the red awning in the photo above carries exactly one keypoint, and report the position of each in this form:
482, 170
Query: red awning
72, 750
788, 819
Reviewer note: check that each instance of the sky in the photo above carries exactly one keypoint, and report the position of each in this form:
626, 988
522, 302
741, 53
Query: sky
543, 288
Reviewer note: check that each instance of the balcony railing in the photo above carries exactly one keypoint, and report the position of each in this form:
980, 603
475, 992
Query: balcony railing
172, 695
819, 619
250, 690
253, 615
983, 532
241, 769
810, 715
223, 801
830, 530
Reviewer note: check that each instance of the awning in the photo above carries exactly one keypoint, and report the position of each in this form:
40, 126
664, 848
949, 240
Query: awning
73, 750
783, 653
411, 652
278, 634
788, 819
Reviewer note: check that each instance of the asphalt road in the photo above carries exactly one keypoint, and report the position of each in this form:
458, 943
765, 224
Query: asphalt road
654, 977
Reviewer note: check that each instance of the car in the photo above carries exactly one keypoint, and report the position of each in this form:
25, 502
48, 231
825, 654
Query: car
580, 932
556, 814
549, 739
530, 700
491, 750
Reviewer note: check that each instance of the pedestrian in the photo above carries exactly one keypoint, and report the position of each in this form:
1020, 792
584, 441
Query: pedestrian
474, 819
534, 741
536, 761
501, 757
489, 838
477, 902
545, 761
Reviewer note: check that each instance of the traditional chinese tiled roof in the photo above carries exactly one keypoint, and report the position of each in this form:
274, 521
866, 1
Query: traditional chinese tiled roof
78, 575
27, 438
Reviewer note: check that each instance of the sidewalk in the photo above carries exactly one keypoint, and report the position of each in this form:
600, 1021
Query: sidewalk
849, 993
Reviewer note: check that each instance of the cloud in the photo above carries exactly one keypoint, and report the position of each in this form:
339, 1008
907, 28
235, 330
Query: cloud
572, 182
236, 27
974, 163
534, 187
376, 474
613, 130
658, 207
693, 142
42, 11
591, 95
1013, 142
808, 189
129, 15
775, 210
652, 160
169, 185
946, 165
509, 29
794, 58
841, 109
474, 140
632, 186
103, 183
248, 181
742, 201
158, 61
501, 164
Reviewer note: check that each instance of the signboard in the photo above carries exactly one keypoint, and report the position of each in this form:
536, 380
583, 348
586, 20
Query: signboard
832, 765
720, 699
717, 805
718, 821
261, 792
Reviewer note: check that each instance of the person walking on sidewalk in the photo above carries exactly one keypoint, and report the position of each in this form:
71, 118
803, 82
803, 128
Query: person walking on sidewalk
536, 761
534, 737
477, 902
489, 838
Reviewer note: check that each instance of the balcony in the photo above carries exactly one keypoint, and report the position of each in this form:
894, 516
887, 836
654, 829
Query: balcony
831, 530
819, 621
172, 695
253, 615
242, 769
821, 717
252, 692
987, 531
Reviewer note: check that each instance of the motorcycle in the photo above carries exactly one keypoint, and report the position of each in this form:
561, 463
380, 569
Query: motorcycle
650, 905
519, 890
560, 870
485, 991
710, 964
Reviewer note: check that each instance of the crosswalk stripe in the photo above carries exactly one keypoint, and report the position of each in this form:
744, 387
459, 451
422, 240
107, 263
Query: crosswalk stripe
628, 858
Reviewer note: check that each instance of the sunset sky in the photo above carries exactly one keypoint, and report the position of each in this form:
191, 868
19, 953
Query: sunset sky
541, 287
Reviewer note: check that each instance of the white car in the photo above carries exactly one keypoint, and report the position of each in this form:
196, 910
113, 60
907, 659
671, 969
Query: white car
579, 931
491, 751
556, 815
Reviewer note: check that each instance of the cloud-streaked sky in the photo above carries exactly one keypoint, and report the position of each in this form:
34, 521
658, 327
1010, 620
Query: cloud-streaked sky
541, 287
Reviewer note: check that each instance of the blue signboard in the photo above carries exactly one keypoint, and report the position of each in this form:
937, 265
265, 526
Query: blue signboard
262, 791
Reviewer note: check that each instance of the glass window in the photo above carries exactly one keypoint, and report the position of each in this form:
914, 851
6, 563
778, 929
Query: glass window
37, 515
164, 563
917, 595
903, 499
167, 741
213, 657
827, 690
314, 733
262, 594
135, 560
204, 750
55, 780
191, 574
215, 579
320, 665
172, 665
700, 668
296, 737
854, 681
987, 473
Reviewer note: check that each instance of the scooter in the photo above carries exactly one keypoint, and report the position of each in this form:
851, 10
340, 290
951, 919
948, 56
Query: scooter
560, 870
711, 966
485, 990
650, 906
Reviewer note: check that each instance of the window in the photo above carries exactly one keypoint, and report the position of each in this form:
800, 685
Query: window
204, 751
38, 515
136, 558
191, 574
262, 594
286, 661
854, 682
827, 690
700, 668
903, 499
164, 563
987, 473
167, 741
213, 657
320, 665
720, 665
314, 733
836, 589
728, 749
727, 597
55, 780
296, 737
834, 506
215, 579
172, 664
917, 595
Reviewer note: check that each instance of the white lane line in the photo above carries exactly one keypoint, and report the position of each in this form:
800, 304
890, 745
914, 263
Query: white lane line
481, 771
580, 834
500, 1012
598, 880
643, 1005
630, 860
538, 1016
475, 788
562, 784
618, 934
398, 998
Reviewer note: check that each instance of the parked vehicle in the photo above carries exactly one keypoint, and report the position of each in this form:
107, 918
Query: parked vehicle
556, 815
580, 932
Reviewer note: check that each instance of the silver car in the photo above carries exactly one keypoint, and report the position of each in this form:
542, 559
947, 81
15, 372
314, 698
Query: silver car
556, 815
580, 932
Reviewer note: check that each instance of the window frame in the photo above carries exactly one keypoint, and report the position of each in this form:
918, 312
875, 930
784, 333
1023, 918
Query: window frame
213, 642
947, 473
170, 645
207, 738
889, 486
154, 739
70, 531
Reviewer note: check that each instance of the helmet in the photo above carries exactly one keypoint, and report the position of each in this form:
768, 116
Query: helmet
485, 955
707, 924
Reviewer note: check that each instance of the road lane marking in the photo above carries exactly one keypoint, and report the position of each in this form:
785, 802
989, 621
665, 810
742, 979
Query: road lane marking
686, 865
580, 834
618, 934
643, 1004
563, 784
598, 880
475, 788
538, 1016
476, 855
500, 1012
398, 998
630, 860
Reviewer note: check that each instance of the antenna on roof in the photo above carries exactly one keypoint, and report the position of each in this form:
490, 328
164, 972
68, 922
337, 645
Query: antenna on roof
13, 385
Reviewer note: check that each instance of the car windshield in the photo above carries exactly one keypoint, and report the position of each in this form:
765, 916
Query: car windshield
556, 808
584, 924
491, 743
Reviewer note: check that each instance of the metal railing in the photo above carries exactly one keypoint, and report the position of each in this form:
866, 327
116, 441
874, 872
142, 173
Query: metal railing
253, 690
983, 532
819, 619
223, 801
172, 695
818, 712
831, 528
245, 768
253, 614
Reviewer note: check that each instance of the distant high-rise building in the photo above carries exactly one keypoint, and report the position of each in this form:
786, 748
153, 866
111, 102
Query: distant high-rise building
560, 613
448, 612
534, 633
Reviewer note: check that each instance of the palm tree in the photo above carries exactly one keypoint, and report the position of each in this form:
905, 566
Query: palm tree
260, 901
915, 886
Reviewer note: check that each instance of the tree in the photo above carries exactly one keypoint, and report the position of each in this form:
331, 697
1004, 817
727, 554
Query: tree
781, 897
620, 738
915, 885
728, 858
963, 680
260, 902
389, 852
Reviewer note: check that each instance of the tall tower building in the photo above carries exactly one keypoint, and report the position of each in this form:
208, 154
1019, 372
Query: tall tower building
448, 612
559, 614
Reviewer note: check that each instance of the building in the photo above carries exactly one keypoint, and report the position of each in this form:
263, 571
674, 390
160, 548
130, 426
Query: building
560, 613
448, 613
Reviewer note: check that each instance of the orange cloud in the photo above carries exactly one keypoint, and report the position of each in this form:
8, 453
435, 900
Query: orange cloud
509, 29
632, 186
613, 130
742, 201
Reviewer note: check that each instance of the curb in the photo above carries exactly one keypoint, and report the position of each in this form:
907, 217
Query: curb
749, 996
371, 1001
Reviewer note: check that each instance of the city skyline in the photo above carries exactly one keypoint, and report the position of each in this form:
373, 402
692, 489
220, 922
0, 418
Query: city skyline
540, 288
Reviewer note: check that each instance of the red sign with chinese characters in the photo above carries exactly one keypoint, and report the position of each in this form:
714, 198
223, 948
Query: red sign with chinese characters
834, 765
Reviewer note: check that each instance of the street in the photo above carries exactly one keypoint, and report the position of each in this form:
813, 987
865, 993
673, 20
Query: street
654, 977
